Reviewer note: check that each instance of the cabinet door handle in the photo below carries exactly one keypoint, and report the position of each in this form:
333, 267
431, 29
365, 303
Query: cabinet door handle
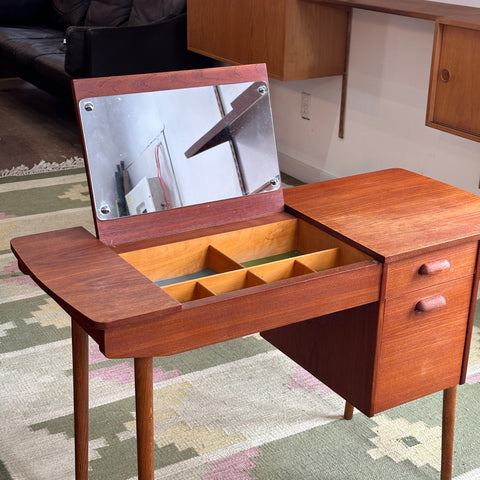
430, 304
437, 266
445, 75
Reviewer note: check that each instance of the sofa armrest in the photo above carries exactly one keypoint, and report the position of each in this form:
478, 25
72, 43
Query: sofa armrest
110, 51
75, 51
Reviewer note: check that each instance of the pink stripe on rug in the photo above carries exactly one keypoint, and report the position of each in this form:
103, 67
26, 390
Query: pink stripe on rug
234, 467
302, 379
125, 373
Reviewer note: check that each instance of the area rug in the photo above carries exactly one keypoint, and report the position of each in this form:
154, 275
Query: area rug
239, 410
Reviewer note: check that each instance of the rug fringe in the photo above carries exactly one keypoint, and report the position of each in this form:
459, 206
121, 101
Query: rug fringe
43, 167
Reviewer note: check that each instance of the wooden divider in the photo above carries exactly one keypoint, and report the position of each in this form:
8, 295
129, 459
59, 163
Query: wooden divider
207, 266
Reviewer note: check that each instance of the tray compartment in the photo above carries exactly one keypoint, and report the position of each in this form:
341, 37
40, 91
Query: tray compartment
281, 270
235, 260
229, 282
213, 285
171, 263
188, 291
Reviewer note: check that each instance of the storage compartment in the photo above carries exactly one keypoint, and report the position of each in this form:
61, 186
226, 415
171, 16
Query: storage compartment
235, 260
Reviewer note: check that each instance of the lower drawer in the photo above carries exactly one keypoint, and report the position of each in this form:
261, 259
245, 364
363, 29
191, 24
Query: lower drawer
421, 352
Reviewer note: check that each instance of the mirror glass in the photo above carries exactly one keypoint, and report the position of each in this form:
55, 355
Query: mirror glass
167, 149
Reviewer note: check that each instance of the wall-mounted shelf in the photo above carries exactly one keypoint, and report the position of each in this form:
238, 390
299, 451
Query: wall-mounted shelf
408, 8
296, 39
300, 39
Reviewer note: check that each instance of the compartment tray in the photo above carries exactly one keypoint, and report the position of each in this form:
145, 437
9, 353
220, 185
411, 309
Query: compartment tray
212, 265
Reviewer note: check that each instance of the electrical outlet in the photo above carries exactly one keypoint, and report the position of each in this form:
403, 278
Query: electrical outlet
305, 106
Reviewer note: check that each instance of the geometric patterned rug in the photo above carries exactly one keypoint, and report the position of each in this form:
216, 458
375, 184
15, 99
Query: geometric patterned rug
238, 410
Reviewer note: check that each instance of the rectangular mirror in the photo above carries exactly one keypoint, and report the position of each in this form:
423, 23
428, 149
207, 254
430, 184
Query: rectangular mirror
160, 150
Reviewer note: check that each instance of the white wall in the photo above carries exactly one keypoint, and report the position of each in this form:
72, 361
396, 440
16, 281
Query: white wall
389, 72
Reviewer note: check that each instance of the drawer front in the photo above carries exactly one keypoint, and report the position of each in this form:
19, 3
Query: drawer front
234, 314
430, 269
422, 344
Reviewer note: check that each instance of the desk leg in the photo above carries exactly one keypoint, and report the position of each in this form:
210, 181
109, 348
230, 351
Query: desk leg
448, 427
348, 412
80, 399
144, 412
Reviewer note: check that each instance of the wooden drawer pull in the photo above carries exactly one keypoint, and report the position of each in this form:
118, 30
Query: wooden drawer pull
437, 266
430, 304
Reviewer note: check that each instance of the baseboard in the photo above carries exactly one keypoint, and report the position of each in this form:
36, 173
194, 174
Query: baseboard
300, 170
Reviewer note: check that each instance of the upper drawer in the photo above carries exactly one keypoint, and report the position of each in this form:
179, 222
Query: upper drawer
431, 268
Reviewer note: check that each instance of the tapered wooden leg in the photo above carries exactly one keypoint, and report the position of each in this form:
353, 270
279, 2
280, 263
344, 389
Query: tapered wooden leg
348, 413
80, 399
448, 427
144, 407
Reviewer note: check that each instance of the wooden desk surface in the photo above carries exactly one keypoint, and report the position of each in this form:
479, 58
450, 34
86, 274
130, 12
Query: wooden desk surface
392, 214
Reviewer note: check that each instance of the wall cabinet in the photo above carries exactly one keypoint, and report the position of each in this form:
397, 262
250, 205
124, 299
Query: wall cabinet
454, 94
296, 39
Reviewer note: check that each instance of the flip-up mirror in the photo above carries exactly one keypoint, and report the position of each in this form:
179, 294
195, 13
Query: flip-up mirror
173, 152
153, 151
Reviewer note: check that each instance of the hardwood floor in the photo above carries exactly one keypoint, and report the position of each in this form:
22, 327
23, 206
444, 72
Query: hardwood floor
35, 126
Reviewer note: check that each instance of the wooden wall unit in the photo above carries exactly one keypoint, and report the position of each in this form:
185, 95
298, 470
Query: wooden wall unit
454, 95
296, 40
300, 39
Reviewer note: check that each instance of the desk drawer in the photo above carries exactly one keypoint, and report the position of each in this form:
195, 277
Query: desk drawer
421, 352
431, 269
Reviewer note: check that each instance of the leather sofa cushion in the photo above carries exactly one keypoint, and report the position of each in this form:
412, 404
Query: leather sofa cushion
69, 12
145, 12
28, 32
15, 48
109, 13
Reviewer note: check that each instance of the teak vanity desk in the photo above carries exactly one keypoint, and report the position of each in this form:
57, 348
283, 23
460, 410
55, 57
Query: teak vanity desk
377, 299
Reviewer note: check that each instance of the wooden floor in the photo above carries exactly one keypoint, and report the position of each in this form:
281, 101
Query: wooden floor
35, 126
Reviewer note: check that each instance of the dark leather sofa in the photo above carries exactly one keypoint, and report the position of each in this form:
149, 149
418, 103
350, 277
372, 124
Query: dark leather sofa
49, 42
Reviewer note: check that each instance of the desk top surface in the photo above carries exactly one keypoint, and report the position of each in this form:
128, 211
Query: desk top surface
392, 214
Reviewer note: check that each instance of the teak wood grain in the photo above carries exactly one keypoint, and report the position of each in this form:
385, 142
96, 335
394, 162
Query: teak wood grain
454, 97
390, 214
407, 275
295, 39
422, 352
89, 280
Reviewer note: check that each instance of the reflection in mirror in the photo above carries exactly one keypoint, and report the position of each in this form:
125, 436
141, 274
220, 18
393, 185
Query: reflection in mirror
167, 149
